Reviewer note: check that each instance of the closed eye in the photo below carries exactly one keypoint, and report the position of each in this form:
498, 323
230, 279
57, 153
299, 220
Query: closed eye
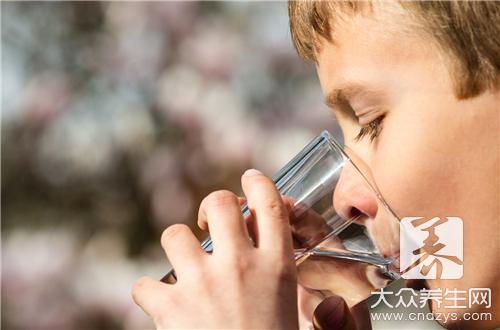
371, 130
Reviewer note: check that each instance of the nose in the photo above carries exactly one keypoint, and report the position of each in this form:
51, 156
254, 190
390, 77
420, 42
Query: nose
352, 196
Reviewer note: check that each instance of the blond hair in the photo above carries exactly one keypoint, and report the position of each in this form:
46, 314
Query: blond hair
467, 32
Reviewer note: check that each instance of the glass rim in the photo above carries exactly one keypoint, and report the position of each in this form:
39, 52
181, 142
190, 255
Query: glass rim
325, 134
290, 168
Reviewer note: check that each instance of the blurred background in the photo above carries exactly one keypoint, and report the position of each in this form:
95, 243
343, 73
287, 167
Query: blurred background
117, 119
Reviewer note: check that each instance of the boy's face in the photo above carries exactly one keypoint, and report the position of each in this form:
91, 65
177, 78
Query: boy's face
434, 155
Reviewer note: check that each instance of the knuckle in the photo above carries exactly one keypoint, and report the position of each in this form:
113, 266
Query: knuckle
233, 259
238, 263
173, 231
139, 286
275, 207
220, 198
236, 267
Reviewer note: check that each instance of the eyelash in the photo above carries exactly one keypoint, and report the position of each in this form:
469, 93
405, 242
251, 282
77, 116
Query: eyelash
372, 129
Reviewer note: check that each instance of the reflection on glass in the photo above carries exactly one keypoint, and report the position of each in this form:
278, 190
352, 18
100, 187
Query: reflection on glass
346, 253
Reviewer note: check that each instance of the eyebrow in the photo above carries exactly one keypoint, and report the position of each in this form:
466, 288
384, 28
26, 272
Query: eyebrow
340, 98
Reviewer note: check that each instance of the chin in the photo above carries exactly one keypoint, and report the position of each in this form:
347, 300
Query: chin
418, 285
457, 322
445, 323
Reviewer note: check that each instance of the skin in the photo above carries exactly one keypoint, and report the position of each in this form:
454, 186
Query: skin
435, 155
239, 286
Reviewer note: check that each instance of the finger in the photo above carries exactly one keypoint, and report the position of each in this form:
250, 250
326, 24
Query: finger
333, 313
361, 315
269, 211
149, 294
307, 301
221, 211
309, 228
252, 225
182, 248
203, 224
289, 202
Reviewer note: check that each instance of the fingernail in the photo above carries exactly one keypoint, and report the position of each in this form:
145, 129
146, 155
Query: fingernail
252, 172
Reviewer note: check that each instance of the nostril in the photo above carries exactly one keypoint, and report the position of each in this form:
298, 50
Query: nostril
354, 212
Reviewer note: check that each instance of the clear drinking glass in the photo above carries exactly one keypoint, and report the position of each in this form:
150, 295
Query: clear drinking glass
349, 255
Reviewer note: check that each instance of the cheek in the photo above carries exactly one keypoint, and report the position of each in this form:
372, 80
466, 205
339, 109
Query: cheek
413, 164
442, 159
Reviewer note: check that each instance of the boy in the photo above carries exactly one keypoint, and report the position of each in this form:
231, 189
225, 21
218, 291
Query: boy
415, 88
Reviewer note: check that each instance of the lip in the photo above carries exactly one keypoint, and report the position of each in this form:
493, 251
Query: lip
396, 263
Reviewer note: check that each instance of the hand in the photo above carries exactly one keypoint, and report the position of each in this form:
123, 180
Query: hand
333, 313
239, 286
335, 275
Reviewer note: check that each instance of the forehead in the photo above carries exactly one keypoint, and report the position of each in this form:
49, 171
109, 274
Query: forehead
368, 47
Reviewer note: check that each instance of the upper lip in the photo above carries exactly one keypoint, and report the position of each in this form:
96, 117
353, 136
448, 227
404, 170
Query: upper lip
396, 260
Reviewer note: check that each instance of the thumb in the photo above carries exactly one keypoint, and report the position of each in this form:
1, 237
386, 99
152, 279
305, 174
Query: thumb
333, 314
